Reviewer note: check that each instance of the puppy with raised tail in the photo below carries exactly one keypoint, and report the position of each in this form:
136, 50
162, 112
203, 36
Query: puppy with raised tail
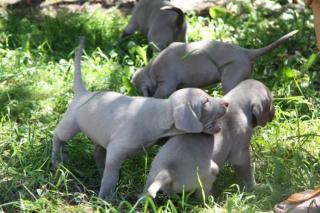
199, 64
121, 126
160, 21
192, 161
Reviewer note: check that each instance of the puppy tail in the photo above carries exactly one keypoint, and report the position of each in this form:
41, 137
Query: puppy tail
214, 168
253, 54
180, 18
163, 178
78, 82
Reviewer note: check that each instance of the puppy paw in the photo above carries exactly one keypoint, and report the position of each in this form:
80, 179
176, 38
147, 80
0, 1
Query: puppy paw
57, 159
55, 162
141, 195
65, 158
110, 197
250, 184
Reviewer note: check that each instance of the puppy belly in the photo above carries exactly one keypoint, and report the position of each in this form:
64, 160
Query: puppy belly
185, 183
201, 79
97, 135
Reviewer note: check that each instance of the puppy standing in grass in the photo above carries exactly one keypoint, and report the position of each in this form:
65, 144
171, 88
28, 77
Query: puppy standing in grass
121, 126
199, 64
160, 21
187, 159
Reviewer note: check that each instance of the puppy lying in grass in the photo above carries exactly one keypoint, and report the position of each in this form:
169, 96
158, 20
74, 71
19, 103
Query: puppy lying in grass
199, 64
192, 161
121, 126
160, 21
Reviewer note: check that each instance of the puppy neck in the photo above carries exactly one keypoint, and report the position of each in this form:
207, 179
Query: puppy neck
240, 107
167, 121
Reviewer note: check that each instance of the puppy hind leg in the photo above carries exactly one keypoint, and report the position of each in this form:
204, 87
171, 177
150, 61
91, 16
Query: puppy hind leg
233, 74
243, 170
65, 130
164, 90
58, 151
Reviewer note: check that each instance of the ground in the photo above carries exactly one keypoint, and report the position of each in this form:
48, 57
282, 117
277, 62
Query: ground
36, 73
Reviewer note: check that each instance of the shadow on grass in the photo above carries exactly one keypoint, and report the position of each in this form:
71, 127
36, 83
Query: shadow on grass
17, 101
58, 36
28, 169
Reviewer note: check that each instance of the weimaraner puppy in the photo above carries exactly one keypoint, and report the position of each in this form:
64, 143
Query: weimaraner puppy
124, 125
160, 21
199, 64
186, 160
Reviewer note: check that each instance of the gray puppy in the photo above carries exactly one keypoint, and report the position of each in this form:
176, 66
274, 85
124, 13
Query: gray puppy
160, 21
199, 64
124, 125
187, 160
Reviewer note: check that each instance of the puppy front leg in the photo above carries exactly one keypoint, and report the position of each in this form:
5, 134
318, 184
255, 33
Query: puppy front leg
100, 157
206, 191
110, 178
116, 154
131, 28
245, 175
243, 169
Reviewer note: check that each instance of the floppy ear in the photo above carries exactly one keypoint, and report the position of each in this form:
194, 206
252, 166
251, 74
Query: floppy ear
180, 18
261, 114
272, 112
185, 119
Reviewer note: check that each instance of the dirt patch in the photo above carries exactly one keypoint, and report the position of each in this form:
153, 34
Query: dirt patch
199, 6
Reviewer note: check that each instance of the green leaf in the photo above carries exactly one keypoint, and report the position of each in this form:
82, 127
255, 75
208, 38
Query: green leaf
142, 52
216, 11
312, 58
127, 84
288, 72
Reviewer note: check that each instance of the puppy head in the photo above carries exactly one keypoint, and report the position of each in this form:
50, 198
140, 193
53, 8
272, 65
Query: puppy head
194, 111
262, 108
142, 81
167, 27
179, 28
255, 99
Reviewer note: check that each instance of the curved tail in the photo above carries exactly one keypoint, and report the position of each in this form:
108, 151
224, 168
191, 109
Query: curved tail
163, 178
214, 168
78, 83
180, 18
253, 54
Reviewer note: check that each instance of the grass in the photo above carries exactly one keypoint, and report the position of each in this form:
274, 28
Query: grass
36, 73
